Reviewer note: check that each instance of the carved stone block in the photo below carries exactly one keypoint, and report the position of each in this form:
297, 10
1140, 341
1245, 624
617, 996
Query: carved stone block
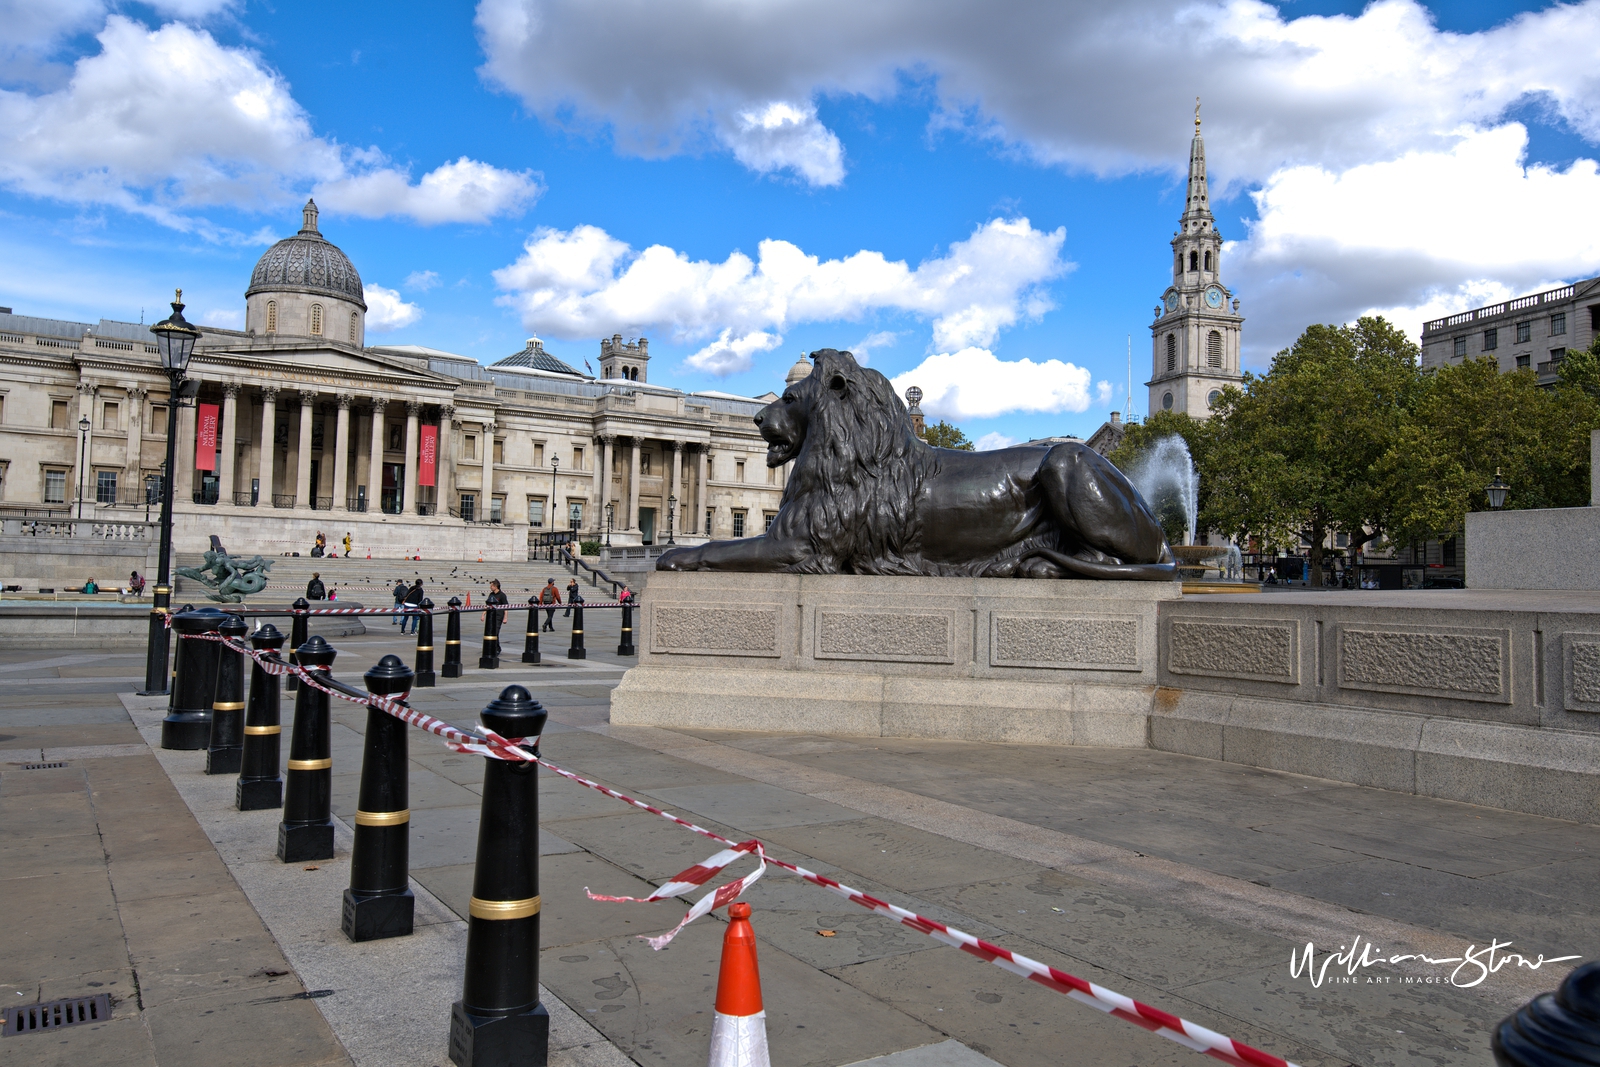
1449, 662
906, 637
1581, 671
715, 631
1265, 650
1065, 642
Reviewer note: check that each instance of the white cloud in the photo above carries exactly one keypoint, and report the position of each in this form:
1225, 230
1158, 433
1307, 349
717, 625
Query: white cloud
583, 282
1103, 392
730, 355
227, 319
387, 310
421, 280
873, 341
989, 442
783, 136
166, 122
974, 384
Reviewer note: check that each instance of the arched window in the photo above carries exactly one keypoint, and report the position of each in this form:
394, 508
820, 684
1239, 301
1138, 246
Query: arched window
353, 324
1194, 260
1214, 349
316, 320
1212, 398
1208, 261
272, 316
1177, 264
1172, 353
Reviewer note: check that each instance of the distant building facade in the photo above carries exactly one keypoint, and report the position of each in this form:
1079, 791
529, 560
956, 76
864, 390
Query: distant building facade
1528, 333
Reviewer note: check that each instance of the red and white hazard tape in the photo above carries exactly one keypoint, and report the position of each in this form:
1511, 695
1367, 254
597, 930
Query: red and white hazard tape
461, 610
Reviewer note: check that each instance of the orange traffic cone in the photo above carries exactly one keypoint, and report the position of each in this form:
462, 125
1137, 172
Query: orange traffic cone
739, 1034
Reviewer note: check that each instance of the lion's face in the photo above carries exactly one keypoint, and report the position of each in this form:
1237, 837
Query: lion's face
783, 423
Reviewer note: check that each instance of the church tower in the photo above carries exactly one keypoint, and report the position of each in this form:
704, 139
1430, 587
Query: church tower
1195, 338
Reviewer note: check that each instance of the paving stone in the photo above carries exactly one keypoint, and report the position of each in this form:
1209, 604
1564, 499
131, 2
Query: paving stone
640, 843
753, 806
243, 1028
896, 855
944, 1054
441, 837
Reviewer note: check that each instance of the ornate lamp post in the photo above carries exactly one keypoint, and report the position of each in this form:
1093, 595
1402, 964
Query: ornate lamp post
175, 340
83, 455
611, 508
1497, 490
672, 517
555, 465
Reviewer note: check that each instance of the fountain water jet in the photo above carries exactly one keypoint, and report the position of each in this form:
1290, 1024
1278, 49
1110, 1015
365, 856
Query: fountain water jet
1166, 473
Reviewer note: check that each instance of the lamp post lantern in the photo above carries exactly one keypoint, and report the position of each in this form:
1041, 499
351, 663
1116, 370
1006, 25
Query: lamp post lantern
1497, 490
672, 517
83, 457
175, 340
611, 508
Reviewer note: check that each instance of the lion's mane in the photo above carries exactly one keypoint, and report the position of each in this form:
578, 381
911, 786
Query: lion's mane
852, 491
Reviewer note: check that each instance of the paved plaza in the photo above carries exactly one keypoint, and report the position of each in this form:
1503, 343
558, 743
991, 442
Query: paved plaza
1182, 882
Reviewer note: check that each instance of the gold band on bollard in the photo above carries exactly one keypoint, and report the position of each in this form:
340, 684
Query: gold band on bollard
530, 633
262, 731
310, 764
452, 642
163, 589
424, 648
577, 631
503, 909
383, 818
491, 637
228, 705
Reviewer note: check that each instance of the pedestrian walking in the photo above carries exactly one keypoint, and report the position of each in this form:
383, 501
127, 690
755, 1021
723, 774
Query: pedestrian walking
315, 590
496, 599
348, 541
550, 596
572, 596
413, 603
400, 591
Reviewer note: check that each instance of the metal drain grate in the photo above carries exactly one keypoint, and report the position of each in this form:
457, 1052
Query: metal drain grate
57, 1014
42, 766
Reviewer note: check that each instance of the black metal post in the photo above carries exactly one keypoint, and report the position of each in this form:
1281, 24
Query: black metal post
306, 832
530, 643
425, 675
490, 659
194, 681
299, 632
452, 639
577, 650
227, 708
259, 785
1560, 1029
155, 660
379, 902
625, 647
499, 1021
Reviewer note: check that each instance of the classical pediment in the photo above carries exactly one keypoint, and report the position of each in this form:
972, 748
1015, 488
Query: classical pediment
327, 367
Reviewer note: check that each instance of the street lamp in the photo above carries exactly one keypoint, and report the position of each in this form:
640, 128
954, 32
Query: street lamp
175, 340
1497, 490
672, 517
611, 508
555, 465
83, 455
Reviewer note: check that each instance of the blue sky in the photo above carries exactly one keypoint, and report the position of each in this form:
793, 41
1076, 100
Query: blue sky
989, 188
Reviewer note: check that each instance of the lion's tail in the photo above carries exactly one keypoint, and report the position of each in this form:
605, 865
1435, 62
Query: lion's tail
1164, 571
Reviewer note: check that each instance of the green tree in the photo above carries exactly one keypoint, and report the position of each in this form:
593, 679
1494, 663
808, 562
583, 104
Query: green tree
1300, 448
943, 435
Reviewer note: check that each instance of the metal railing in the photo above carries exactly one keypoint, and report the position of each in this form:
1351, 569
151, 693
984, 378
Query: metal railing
323, 503
283, 500
356, 504
206, 496
1551, 296
243, 500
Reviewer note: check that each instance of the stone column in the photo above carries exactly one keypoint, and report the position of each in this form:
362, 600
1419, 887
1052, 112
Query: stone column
633, 484
341, 454
606, 443
413, 410
226, 443
444, 476
486, 492
597, 496
676, 488
304, 491
375, 458
133, 464
183, 457
700, 496
269, 442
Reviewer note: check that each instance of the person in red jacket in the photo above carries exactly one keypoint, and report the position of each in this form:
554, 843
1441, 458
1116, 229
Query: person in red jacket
550, 596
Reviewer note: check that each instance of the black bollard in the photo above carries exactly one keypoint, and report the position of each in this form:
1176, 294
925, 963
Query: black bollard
530, 642
498, 1020
491, 641
259, 786
425, 675
299, 632
1560, 1029
227, 707
452, 640
625, 646
577, 650
379, 902
306, 832
194, 680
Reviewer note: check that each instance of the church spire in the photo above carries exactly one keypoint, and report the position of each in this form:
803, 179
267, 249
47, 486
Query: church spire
1198, 205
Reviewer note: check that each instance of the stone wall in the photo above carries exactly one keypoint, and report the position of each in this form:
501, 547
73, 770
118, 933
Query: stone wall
1540, 548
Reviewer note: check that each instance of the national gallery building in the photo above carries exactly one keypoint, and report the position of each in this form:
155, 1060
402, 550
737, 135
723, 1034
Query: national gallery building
299, 427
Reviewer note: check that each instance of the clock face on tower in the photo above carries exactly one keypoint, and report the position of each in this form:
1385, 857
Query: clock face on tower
1214, 296
1172, 300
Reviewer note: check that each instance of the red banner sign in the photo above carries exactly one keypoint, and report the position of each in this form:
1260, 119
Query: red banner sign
428, 455
205, 438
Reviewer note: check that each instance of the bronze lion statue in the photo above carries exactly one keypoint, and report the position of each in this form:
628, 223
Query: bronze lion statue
867, 496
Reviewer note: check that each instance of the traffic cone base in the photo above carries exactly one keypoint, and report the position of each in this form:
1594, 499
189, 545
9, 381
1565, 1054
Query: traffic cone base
740, 1041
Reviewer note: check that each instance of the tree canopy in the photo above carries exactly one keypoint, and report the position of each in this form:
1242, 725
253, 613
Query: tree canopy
943, 435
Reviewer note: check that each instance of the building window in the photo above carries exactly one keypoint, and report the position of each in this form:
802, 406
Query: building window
469, 447
1212, 398
1524, 361
538, 455
1208, 261
58, 414
105, 487
738, 524
772, 475
353, 322
1460, 347
158, 421
1557, 355
2, 408
497, 508
577, 459
499, 450
1194, 260
316, 320
1214, 349
767, 521
272, 316
574, 514
711, 513
55, 487
1172, 353
110, 416
1166, 401
1491, 340
1524, 332
536, 511
1558, 324
469, 507
738, 471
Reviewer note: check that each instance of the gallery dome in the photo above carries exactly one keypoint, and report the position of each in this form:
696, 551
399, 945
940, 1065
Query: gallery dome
307, 263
